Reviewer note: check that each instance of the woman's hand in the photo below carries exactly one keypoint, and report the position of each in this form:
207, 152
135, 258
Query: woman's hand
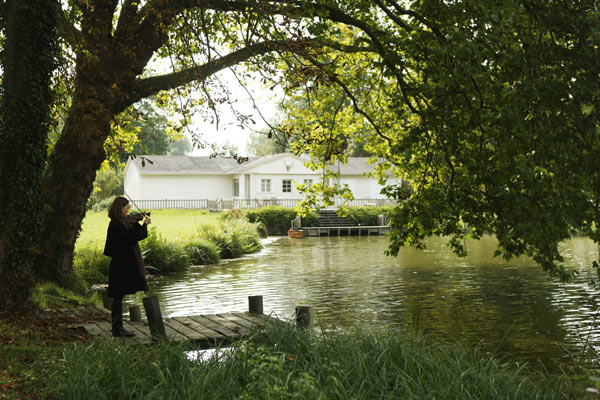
147, 221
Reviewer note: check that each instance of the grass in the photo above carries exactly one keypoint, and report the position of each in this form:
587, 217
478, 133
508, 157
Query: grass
176, 239
28, 344
286, 364
172, 223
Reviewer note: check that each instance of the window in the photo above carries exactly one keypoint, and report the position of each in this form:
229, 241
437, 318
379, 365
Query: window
286, 186
265, 185
308, 182
236, 187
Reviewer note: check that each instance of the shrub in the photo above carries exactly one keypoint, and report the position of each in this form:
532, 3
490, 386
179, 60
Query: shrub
232, 238
278, 219
367, 216
227, 243
102, 205
162, 256
202, 252
262, 230
91, 265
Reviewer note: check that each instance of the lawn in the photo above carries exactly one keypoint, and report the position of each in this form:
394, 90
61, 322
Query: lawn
170, 224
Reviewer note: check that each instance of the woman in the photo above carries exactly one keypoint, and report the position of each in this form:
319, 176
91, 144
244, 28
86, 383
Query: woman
127, 274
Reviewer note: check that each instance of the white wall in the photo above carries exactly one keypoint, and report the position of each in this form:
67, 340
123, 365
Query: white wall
183, 187
277, 185
364, 187
132, 181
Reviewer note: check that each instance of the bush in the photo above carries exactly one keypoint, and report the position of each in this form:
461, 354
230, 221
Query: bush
103, 205
278, 219
202, 252
262, 230
232, 238
91, 265
162, 256
367, 216
227, 243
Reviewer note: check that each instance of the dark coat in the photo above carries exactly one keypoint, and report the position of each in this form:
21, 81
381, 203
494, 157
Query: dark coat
127, 273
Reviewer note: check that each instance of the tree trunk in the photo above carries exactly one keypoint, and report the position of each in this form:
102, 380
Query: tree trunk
27, 64
70, 175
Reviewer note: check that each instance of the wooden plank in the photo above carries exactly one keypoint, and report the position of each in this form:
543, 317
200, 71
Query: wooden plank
198, 327
238, 329
172, 334
262, 318
190, 333
248, 325
141, 330
95, 330
228, 333
107, 329
255, 319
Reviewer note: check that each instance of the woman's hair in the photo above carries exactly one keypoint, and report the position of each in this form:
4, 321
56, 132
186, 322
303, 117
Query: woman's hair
116, 209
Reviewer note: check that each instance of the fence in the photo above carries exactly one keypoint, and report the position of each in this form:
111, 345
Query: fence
220, 204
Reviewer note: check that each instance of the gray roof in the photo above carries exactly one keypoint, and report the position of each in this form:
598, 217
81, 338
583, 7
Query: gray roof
176, 165
355, 166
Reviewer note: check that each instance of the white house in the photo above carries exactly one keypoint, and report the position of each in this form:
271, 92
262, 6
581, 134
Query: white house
273, 177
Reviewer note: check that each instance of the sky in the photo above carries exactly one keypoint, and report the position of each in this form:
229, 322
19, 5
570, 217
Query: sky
228, 130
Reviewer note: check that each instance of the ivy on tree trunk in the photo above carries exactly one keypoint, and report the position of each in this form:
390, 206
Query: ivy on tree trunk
28, 60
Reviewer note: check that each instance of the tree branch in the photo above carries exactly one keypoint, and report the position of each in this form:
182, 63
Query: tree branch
148, 86
419, 18
127, 18
72, 35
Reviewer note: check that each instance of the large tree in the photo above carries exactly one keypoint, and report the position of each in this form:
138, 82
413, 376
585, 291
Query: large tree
29, 43
487, 108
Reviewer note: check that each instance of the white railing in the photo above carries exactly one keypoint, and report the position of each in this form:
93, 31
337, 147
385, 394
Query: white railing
296, 223
219, 204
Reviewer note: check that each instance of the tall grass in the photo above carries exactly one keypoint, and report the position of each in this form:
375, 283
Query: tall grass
163, 256
91, 265
286, 364
202, 252
233, 238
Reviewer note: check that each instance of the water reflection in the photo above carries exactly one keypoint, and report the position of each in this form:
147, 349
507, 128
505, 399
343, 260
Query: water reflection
509, 308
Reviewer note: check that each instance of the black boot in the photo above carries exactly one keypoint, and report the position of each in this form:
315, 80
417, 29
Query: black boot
117, 318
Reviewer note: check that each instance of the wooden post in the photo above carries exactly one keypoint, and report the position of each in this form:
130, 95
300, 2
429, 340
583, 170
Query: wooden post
135, 313
155, 321
106, 301
255, 304
304, 317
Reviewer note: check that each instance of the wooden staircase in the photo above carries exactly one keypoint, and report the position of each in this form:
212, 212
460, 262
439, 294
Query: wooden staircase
329, 218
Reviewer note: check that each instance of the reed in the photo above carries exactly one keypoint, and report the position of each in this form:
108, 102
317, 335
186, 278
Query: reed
286, 364
202, 252
91, 265
163, 256
233, 238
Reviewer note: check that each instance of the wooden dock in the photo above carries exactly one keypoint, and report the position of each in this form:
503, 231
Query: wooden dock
206, 330
203, 330
344, 230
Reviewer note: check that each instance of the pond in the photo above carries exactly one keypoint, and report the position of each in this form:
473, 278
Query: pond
510, 309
